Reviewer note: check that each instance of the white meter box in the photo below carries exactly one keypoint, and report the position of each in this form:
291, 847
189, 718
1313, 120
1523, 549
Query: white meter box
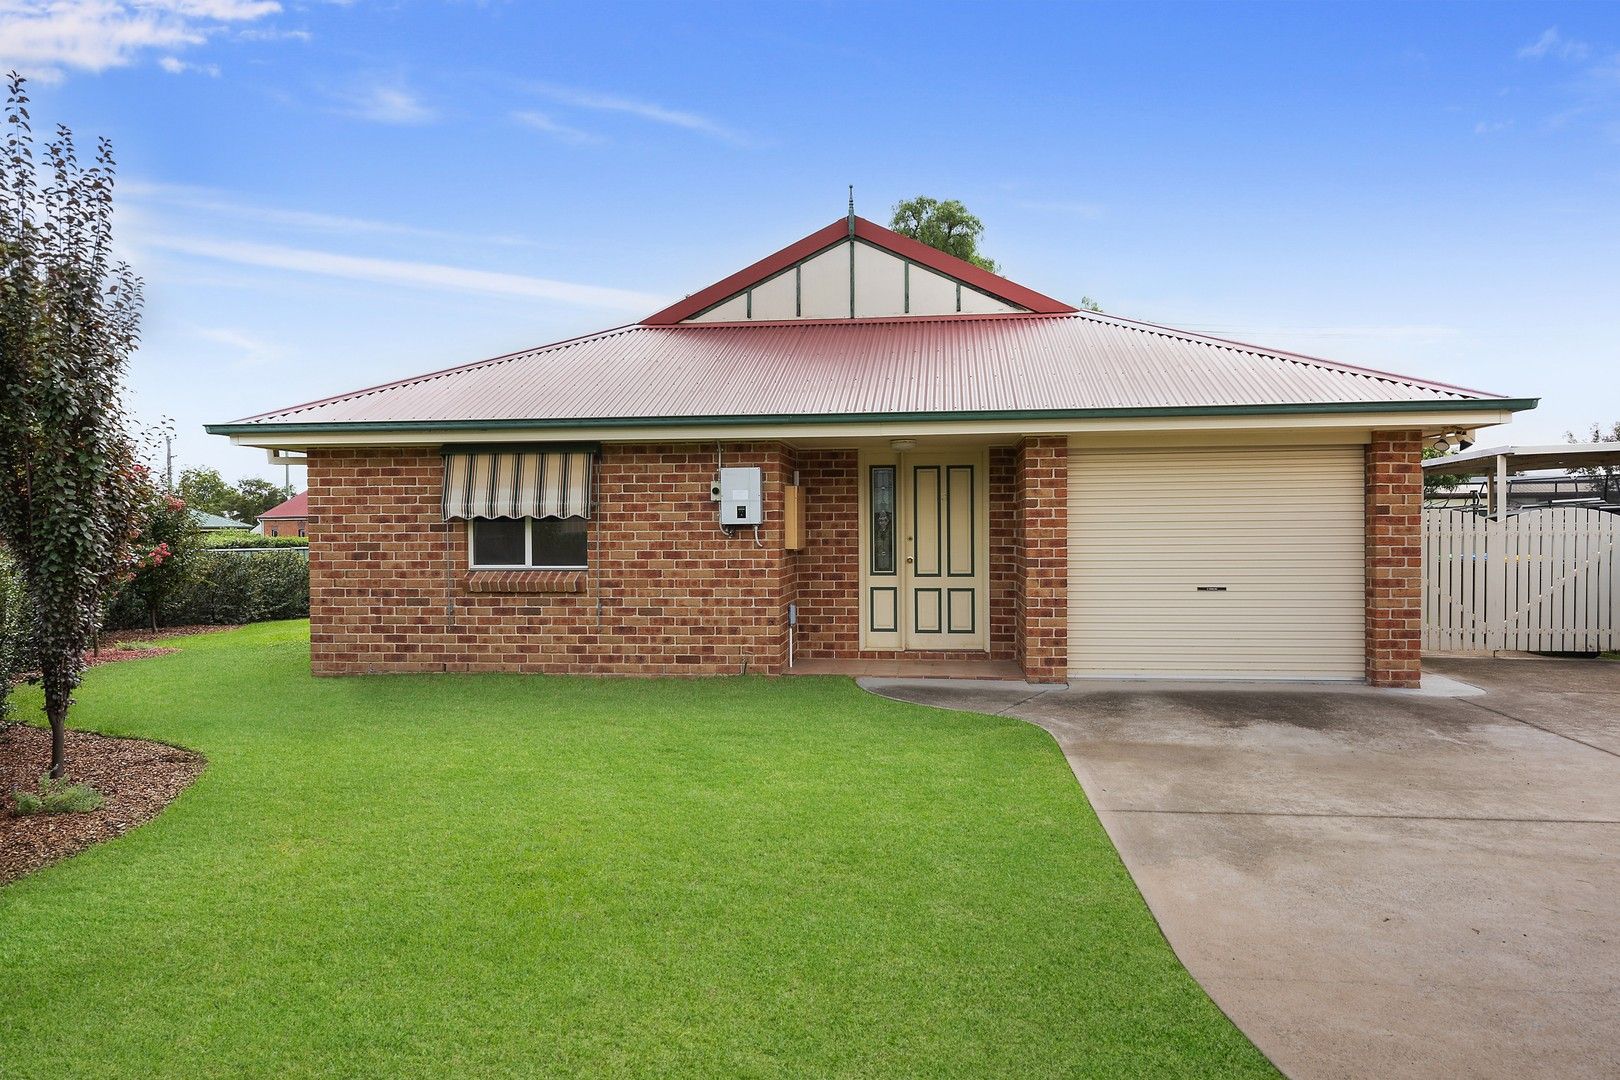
740, 502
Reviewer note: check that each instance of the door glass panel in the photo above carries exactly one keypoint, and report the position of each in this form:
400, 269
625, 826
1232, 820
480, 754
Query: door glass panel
882, 505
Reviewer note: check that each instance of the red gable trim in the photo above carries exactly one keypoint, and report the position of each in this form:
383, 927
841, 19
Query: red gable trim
872, 233
961, 269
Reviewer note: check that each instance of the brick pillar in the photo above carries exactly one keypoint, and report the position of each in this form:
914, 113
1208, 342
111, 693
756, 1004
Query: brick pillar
1394, 521
1041, 560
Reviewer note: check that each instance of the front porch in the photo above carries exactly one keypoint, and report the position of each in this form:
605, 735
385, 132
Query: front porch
967, 668
930, 558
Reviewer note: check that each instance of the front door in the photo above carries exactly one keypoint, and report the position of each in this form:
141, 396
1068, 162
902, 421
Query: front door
924, 548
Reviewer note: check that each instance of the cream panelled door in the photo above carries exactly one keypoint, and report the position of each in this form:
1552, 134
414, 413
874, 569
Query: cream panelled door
1234, 562
924, 549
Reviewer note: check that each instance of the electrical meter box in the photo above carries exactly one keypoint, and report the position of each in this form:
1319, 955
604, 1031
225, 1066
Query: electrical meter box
740, 502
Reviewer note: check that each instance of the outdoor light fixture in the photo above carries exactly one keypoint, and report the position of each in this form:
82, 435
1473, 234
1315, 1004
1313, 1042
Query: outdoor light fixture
902, 445
1442, 444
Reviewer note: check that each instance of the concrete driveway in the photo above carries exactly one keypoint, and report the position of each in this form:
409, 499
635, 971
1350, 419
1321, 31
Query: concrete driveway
1371, 883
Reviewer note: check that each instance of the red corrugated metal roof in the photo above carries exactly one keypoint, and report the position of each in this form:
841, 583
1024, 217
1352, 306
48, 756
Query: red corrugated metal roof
295, 507
873, 233
959, 364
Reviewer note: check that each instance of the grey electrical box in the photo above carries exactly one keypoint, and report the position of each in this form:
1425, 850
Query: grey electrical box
740, 502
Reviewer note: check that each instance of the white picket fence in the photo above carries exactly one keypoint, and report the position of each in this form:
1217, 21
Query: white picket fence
1540, 581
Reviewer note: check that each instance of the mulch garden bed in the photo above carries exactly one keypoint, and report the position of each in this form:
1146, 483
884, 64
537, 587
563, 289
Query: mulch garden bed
137, 778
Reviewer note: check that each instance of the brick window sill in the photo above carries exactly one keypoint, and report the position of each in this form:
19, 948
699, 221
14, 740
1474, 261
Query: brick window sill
525, 581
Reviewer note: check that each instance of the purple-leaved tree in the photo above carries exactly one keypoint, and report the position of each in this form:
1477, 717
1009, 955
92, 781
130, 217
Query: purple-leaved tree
69, 319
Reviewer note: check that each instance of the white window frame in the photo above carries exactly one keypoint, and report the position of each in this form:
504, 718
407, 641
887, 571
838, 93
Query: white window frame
528, 549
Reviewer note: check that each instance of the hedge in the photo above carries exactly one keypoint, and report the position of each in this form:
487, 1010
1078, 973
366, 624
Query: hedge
228, 587
245, 539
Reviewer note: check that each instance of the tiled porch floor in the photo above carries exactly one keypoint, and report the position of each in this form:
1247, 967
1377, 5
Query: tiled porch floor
911, 669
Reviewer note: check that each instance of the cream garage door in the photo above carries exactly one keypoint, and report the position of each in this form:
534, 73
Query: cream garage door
1216, 562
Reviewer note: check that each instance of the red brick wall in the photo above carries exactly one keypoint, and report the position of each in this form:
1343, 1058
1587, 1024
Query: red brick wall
1041, 566
667, 592
1003, 552
284, 527
1394, 524
828, 568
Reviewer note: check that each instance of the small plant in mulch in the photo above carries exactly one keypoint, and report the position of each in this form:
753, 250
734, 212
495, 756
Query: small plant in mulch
57, 797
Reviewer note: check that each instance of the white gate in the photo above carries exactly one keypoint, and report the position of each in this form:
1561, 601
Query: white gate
1540, 581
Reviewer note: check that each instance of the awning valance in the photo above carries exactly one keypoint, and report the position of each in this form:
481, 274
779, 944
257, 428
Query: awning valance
517, 484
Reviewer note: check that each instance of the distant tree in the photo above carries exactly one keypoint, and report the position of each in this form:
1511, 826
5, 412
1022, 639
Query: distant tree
948, 226
945, 225
255, 495
204, 489
1437, 483
1607, 476
69, 319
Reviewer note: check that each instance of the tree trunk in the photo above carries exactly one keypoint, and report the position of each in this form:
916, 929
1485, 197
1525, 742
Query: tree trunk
58, 717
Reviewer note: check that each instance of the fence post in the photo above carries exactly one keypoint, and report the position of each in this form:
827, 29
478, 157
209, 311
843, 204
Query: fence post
1496, 575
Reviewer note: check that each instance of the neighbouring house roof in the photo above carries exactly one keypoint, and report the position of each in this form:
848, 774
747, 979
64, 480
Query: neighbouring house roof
295, 507
1481, 460
204, 520
962, 366
723, 357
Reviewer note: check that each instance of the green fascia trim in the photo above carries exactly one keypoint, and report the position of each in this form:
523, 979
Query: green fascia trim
1349, 408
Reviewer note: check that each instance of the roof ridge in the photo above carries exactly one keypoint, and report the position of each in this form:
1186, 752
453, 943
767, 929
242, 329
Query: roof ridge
1287, 355
438, 374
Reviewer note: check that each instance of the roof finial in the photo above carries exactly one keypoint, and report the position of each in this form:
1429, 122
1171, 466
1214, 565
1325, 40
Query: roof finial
852, 209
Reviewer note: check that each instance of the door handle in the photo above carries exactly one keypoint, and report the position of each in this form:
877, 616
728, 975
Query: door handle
910, 559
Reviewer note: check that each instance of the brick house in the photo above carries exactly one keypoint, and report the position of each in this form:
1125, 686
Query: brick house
861, 448
290, 518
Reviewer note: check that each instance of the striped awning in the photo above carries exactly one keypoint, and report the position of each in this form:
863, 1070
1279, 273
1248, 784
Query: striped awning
517, 484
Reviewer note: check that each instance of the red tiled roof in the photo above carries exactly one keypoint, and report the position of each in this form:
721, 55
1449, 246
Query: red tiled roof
295, 507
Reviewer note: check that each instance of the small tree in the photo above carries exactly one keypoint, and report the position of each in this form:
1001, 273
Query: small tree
69, 319
168, 538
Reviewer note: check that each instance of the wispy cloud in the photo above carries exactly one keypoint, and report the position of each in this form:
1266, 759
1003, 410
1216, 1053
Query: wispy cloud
176, 66
539, 121
250, 351
1553, 44
47, 38
422, 275
643, 110
1491, 127
389, 102
201, 200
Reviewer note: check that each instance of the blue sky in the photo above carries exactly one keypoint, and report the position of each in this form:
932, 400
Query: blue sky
322, 196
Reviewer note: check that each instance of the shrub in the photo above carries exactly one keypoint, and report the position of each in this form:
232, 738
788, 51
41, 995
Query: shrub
244, 539
227, 587
17, 656
58, 797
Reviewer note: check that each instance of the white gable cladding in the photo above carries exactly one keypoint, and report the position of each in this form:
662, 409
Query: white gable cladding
853, 279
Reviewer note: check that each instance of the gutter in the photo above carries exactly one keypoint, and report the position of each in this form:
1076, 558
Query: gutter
1292, 409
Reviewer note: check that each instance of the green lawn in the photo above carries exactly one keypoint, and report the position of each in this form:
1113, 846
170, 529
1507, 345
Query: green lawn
505, 875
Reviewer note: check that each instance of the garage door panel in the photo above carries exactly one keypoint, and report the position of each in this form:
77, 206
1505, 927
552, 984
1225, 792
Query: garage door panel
1153, 531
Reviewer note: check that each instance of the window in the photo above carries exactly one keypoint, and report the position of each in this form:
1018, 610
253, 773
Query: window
545, 543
